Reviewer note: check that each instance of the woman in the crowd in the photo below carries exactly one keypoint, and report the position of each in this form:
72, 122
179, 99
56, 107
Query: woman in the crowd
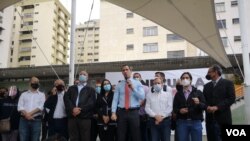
189, 104
107, 127
8, 108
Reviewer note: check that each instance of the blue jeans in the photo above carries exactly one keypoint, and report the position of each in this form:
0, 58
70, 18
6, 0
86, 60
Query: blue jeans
30, 130
162, 131
213, 131
189, 130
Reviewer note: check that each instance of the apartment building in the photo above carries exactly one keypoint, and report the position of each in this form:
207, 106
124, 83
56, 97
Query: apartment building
87, 42
5, 35
129, 36
40, 34
227, 14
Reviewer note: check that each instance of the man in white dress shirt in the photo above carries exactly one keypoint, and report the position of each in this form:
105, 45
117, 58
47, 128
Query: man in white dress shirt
159, 106
30, 105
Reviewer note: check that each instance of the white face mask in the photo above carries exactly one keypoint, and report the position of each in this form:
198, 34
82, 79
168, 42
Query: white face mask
185, 82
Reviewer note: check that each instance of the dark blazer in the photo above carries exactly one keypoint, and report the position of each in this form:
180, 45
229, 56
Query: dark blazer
195, 112
223, 96
50, 104
87, 100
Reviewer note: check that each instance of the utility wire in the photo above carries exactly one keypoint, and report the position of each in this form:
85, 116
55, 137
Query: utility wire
237, 62
84, 37
33, 38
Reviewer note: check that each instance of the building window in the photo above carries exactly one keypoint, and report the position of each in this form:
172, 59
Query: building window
150, 47
130, 15
130, 30
175, 54
174, 38
224, 41
221, 24
96, 53
89, 54
33, 56
11, 59
24, 58
130, 47
96, 60
28, 15
220, 7
234, 3
236, 21
237, 38
150, 31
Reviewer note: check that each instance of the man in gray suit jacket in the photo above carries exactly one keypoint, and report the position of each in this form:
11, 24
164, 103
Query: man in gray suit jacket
220, 95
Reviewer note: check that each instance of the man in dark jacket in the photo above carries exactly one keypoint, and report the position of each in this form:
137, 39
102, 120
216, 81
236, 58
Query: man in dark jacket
79, 103
55, 110
219, 95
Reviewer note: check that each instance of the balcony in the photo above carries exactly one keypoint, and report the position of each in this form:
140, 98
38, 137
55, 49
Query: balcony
27, 28
25, 36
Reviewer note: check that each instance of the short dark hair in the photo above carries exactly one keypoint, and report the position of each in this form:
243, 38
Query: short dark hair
188, 73
217, 68
162, 75
130, 67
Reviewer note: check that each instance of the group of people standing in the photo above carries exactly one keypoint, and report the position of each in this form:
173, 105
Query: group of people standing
130, 112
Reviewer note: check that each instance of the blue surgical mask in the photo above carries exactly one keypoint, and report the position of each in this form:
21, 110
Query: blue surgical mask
157, 88
83, 78
107, 87
98, 89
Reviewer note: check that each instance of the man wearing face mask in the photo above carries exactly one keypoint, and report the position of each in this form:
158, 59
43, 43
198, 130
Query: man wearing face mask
79, 103
159, 106
55, 110
220, 95
30, 105
189, 104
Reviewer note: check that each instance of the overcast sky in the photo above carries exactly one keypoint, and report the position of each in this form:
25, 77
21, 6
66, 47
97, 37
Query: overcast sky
83, 9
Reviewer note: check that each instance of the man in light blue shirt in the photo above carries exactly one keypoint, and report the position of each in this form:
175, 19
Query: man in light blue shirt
125, 106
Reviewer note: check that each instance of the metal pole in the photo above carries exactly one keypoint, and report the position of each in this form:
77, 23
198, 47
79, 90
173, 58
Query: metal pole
244, 14
72, 43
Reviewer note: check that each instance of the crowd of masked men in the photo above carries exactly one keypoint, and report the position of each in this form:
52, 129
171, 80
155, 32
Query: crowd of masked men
126, 111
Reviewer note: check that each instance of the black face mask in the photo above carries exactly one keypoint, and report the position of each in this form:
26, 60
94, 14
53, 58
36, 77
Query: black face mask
208, 77
60, 88
34, 85
179, 87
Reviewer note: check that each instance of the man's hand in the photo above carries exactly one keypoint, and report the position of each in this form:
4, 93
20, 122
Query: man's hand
130, 85
212, 109
113, 116
76, 111
28, 116
158, 119
105, 119
196, 100
184, 110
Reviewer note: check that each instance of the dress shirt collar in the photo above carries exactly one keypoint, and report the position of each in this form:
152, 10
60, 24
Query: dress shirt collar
82, 84
188, 90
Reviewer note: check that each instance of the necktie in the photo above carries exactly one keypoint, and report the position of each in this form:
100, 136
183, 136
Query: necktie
214, 83
126, 96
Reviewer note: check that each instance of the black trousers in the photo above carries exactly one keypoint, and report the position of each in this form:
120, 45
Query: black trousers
79, 129
107, 133
58, 126
128, 124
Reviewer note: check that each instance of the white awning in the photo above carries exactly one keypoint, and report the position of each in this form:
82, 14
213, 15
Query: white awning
6, 3
194, 20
